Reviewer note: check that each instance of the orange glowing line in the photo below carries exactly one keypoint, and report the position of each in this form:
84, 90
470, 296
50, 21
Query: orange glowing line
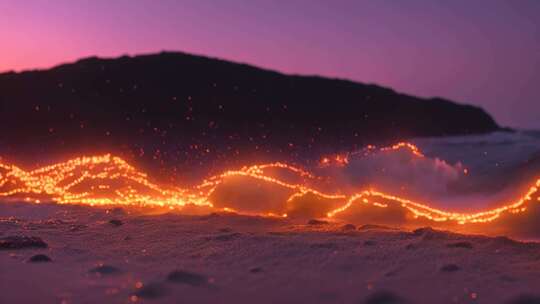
343, 159
60, 182
414, 149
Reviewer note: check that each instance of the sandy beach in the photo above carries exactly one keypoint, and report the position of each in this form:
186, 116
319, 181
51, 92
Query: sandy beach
118, 256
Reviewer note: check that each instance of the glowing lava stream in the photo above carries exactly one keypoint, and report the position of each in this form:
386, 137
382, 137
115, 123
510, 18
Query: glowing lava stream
128, 186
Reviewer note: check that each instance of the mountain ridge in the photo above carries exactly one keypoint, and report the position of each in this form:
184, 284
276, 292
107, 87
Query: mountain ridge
185, 105
95, 59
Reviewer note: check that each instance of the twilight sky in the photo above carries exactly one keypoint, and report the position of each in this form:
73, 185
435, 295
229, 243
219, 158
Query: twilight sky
480, 52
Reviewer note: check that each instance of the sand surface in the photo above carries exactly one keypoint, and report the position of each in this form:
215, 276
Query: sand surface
228, 258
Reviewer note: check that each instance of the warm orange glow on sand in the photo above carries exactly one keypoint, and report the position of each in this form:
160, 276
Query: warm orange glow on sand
109, 180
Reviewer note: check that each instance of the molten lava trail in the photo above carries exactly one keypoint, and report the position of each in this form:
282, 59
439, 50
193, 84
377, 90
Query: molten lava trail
109, 180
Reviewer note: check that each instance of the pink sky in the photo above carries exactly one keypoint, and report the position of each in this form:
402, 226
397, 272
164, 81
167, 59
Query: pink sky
485, 53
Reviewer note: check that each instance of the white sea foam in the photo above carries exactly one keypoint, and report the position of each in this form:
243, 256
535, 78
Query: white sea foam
461, 173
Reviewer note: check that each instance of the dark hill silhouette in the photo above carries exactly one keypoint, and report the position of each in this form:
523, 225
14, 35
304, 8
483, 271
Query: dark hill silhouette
186, 110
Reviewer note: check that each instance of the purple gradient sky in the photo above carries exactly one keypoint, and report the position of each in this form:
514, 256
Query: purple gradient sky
480, 52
